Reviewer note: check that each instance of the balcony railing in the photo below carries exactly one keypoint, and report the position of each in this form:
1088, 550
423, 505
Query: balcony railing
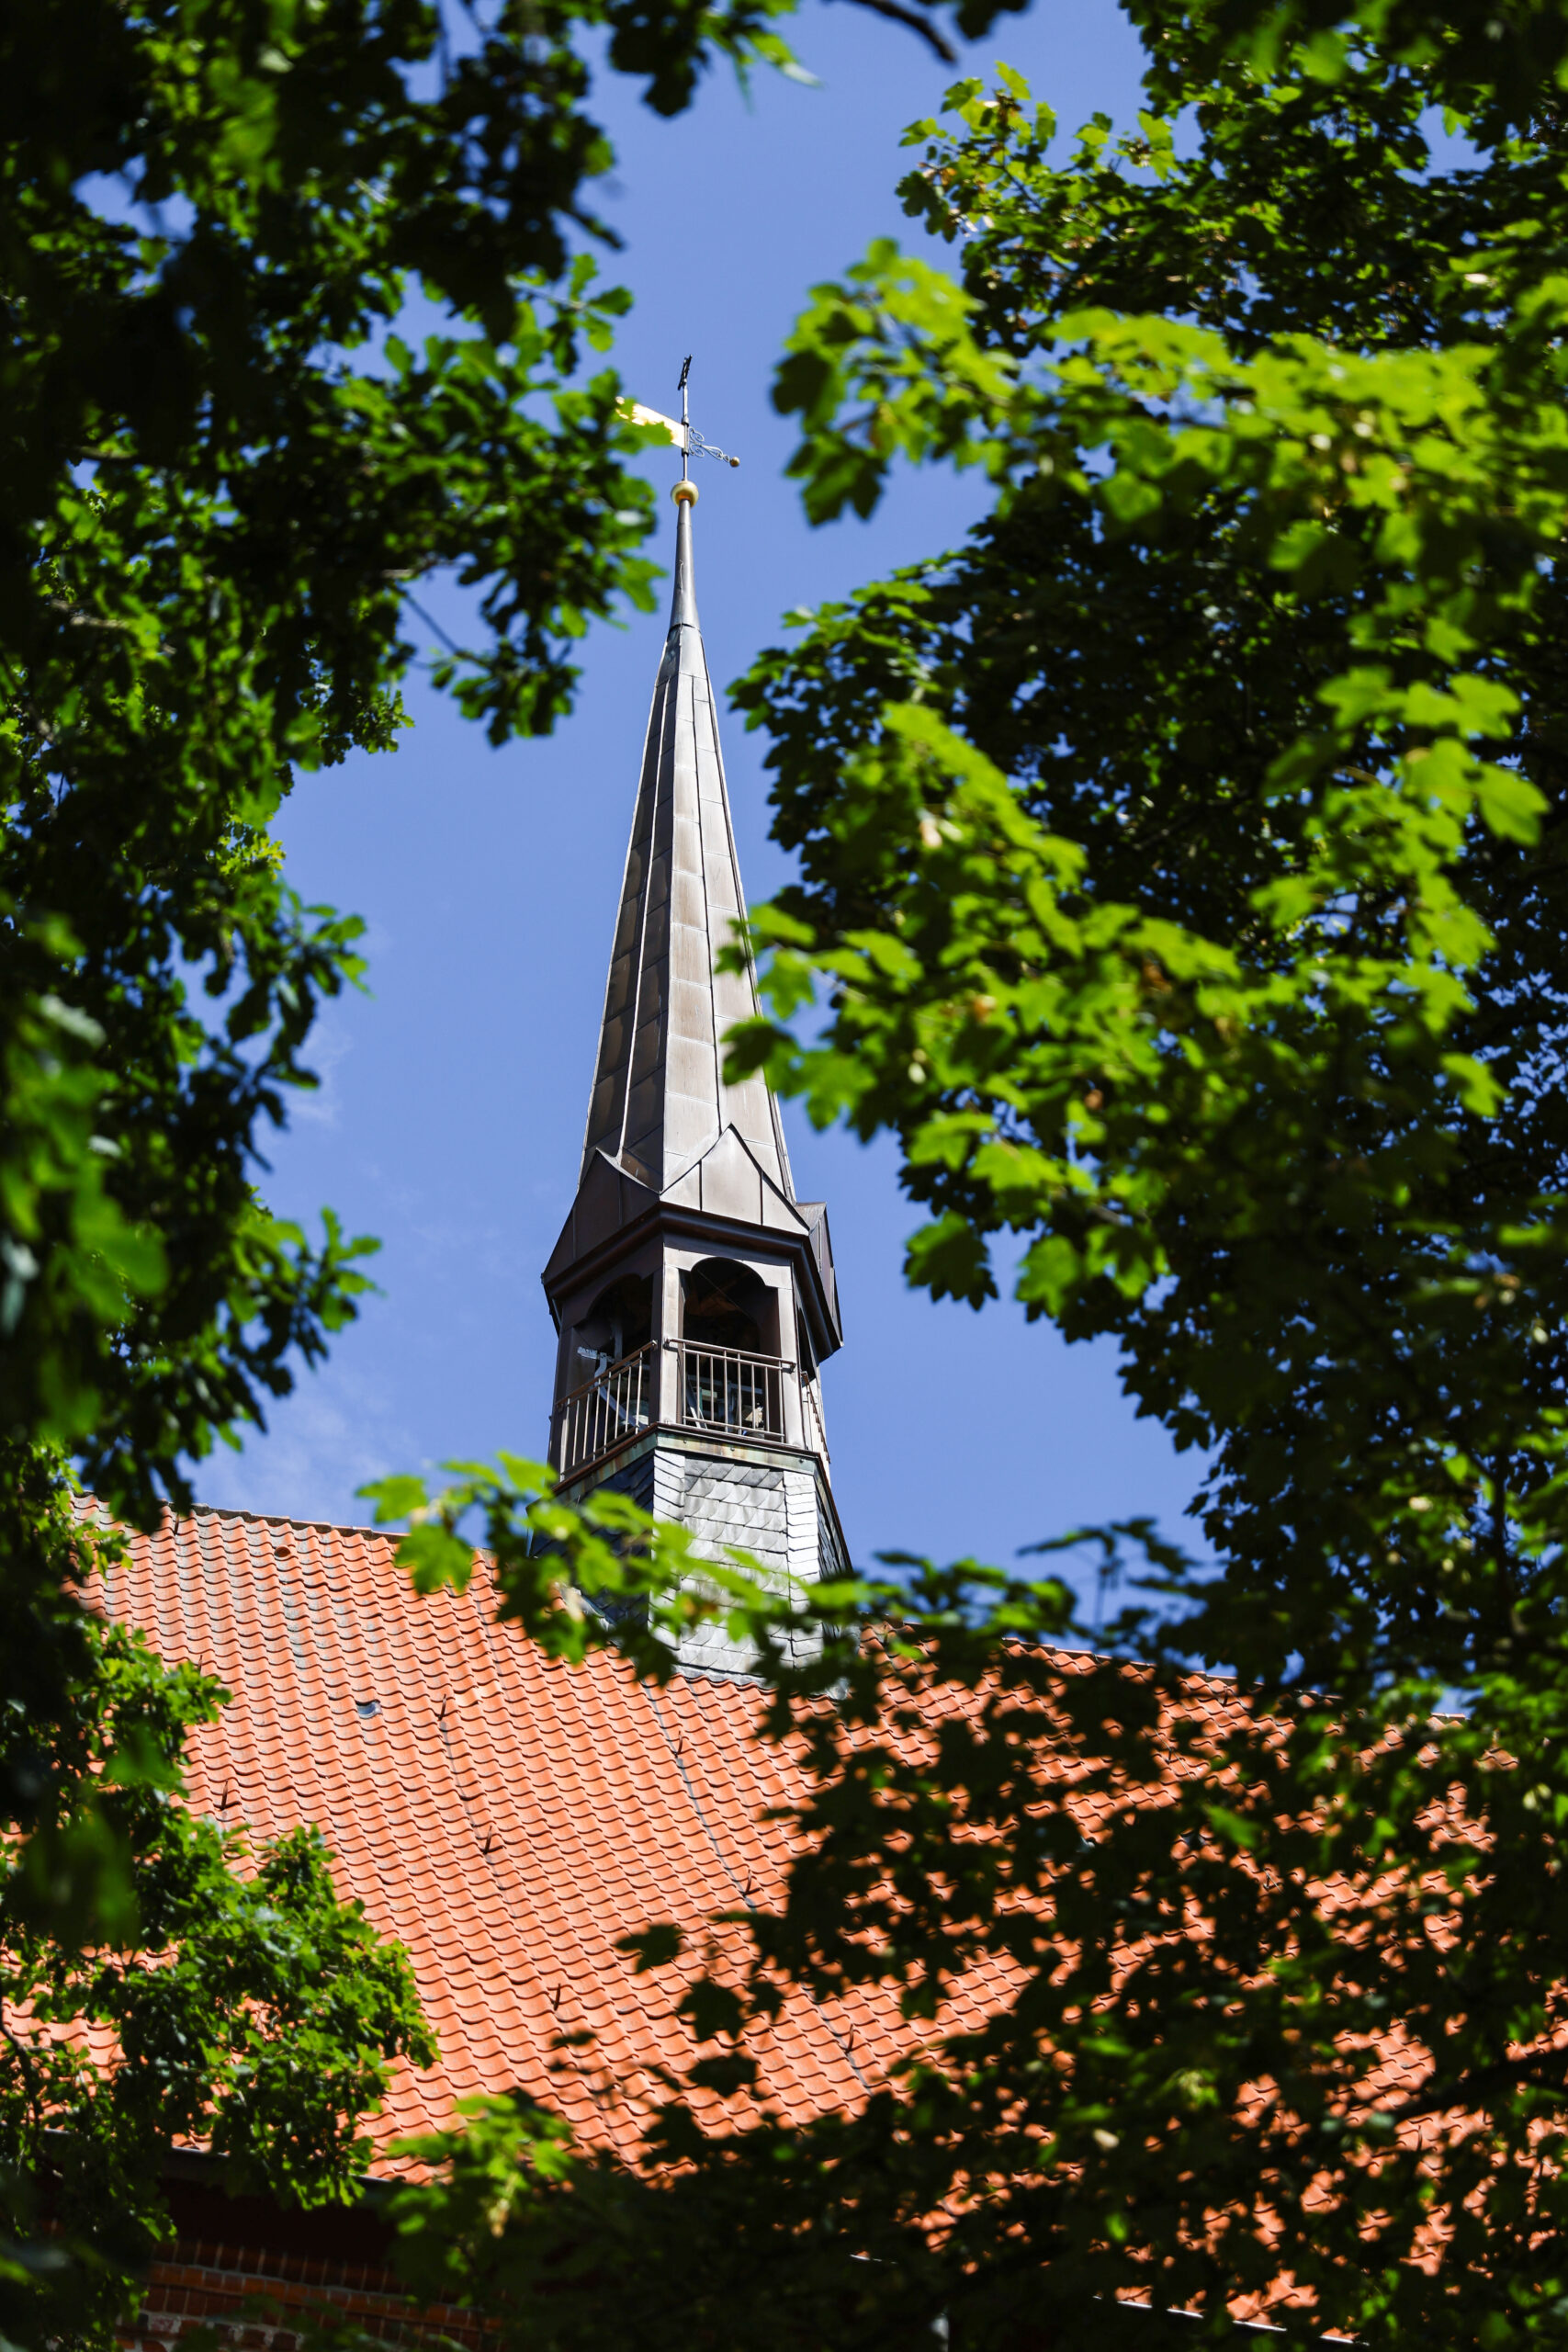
719, 1389
724, 1390
614, 1403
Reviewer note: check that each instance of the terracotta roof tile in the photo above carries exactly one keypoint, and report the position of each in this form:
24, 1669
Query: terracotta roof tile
604, 1805
607, 1805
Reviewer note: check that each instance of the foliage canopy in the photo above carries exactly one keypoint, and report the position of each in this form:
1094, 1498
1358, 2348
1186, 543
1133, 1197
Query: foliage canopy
298, 309
1182, 862
161, 1980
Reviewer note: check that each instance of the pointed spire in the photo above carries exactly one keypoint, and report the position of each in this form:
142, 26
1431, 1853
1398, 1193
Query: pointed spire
683, 602
660, 1098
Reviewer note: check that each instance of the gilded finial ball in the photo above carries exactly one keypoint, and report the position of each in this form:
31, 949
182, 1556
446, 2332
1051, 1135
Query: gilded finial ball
684, 493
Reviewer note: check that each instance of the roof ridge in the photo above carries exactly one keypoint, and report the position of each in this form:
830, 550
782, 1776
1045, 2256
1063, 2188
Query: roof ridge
84, 1503
287, 1518
1210, 1675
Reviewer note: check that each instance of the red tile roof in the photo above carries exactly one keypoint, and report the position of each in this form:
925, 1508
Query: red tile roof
510, 1820
507, 1819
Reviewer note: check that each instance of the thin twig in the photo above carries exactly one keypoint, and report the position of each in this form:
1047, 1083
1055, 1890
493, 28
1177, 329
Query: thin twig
430, 622
29, 2062
916, 23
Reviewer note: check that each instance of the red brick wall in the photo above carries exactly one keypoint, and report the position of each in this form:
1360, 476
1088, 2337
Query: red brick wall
261, 2275
260, 2300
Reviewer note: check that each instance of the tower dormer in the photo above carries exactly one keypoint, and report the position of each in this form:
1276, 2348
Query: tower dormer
693, 1294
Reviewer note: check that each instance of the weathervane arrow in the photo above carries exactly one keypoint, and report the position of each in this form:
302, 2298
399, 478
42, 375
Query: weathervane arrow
681, 429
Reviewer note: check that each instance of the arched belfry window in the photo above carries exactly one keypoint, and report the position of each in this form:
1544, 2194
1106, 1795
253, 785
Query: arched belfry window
620, 1321
724, 1305
732, 1379
610, 1390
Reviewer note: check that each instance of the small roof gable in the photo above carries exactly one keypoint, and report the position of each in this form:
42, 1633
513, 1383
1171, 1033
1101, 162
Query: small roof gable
730, 1180
607, 1200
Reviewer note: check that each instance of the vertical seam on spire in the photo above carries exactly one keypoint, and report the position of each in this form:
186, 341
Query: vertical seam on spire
640, 966
707, 902
620, 909
775, 1120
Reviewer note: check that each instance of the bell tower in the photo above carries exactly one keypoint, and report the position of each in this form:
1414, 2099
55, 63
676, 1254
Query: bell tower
693, 1294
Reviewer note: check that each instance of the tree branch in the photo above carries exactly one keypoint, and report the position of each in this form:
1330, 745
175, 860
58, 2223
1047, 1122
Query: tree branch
916, 23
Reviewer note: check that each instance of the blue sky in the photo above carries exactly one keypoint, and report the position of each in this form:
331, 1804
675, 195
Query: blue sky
450, 1118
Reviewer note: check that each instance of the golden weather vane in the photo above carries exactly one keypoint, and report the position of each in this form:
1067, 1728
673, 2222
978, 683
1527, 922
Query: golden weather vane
681, 429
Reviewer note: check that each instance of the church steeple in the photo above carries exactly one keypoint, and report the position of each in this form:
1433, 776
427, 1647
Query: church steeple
694, 1295
660, 1098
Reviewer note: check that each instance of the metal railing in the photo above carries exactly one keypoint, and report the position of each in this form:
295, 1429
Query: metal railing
740, 1394
721, 1389
616, 1403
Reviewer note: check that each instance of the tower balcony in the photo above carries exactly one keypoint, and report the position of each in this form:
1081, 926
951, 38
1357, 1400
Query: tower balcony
725, 1392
